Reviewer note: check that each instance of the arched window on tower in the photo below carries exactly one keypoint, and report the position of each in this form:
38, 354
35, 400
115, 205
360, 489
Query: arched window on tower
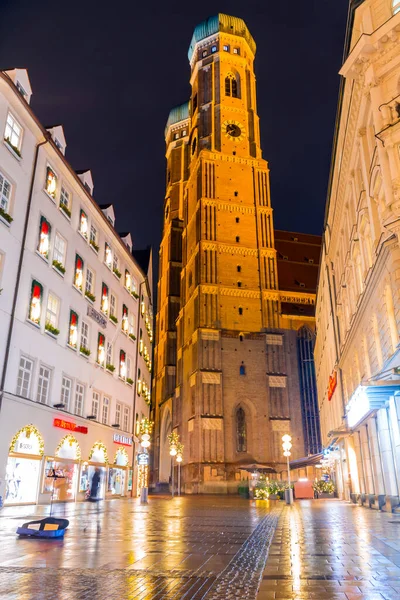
395, 6
241, 437
231, 86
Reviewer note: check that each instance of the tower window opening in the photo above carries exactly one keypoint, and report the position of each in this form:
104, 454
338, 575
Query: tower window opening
238, 268
236, 51
240, 310
194, 103
226, 48
241, 442
241, 337
237, 239
213, 49
231, 86
239, 284
242, 369
237, 219
204, 53
236, 193
176, 136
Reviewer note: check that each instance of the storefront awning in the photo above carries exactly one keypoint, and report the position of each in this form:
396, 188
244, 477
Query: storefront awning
307, 461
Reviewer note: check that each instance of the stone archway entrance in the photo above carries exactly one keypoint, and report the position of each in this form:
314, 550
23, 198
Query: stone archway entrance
165, 459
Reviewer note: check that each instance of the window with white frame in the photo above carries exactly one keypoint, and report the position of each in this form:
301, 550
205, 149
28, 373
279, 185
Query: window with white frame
128, 367
43, 389
60, 247
21, 90
13, 132
125, 424
118, 411
65, 198
66, 390
95, 405
105, 410
109, 354
85, 335
52, 310
115, 262
89, 285
24, 377
5, 193
93, 235
79, 398
113, 305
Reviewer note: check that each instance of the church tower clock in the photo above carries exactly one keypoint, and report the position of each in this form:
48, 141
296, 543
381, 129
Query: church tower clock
211, 369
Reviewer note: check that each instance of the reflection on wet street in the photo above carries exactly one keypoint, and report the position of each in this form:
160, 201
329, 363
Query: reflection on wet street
167, 549
327, 549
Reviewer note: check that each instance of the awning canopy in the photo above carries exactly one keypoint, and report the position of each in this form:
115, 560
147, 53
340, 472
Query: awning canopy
307, 461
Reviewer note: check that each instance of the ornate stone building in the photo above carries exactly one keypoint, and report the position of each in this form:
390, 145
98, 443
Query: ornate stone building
357, 350
227, 375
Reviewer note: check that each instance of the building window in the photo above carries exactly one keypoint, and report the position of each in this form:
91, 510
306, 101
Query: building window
5, 194
231, 86
35, 305
125, 424
78, 275
176, 135
13, 133
242, 369
241, 442
58, 144
226, 48
116, 265
125, 321
118, 414
65, 201
240, 310
238, 268
59, 250
21, 90
101, 349
237, 219
24, 377
95, 405
83, 224
184, 132
109, 354
128, 280
105, 411
43, 385
108, 255
79, 398
237, 239
89, 284
85, 335
52, 311
66, 389
44, 238
122, 364
236, 51
104, 298
73, 329
203, 54
396, 6
213, 49
51, 183
239, 284
113, 305
93, 237
194, 103
241, 337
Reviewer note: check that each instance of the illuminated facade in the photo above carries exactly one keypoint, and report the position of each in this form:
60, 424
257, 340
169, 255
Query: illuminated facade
226, 362
75, 326
357, 350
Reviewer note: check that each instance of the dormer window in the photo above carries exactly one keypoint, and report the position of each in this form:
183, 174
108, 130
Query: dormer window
58, 144
396, 6
87, 187
21, 90
110, 220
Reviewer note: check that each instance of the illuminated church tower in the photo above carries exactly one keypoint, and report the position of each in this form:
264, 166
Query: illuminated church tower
224, 368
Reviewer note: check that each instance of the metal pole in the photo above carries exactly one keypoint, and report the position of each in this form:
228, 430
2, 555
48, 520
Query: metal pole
172, 460
179, 479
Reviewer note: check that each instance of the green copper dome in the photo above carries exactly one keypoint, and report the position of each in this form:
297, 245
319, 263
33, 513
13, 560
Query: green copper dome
179, 113
224, 23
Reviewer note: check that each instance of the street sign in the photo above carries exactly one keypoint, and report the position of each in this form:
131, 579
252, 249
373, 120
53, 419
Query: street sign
143, 458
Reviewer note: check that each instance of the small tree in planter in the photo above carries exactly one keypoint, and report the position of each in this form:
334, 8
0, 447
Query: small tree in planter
324, 489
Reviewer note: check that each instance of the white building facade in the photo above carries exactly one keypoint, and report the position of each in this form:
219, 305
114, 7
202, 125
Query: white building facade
357, 354
75, 321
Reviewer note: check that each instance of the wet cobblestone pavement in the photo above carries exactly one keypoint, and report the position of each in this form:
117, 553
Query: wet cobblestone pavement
188, 548
331, 550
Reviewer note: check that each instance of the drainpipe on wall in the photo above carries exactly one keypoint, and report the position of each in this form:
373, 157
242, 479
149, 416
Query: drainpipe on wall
19, 270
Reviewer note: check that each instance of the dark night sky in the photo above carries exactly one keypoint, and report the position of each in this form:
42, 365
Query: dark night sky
111, 72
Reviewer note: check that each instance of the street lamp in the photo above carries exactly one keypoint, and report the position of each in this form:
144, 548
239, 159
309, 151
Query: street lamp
179, 458
173, 440
146, 427
287, 444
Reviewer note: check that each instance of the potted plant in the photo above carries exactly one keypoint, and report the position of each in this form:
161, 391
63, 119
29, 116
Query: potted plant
324, 489
58, 266
90, 296
243, 491
110, 368
6, 216
51, 329
85, 351
114, 319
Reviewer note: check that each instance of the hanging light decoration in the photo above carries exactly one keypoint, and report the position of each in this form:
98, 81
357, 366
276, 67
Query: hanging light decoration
73, 329
104, 298
128, 280
122, 364
78, 272
44, 238
108, 255
83, 224
101, 349
51, 182
125, 322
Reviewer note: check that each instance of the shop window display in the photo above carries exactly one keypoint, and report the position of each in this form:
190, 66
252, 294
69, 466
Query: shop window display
23, 466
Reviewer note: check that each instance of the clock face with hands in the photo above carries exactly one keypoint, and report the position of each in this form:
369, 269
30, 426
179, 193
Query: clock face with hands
233, 130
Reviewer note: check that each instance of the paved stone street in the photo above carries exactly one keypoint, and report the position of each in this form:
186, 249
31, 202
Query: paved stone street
327, 549
169, 549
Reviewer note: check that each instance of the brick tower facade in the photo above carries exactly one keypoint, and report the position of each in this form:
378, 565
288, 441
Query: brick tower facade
226, 373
